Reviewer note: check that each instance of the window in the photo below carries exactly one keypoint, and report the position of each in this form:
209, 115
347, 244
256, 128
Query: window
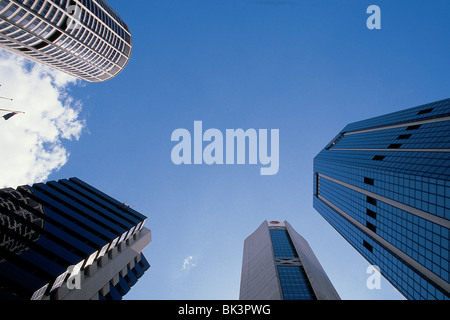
413, 127
282, 244
379, 158
371, 227
395, 146
367, 246
54, 36
317, 177
294, 283
371, 213
369, 181
3, 4
371, 200
404, 136
425, 111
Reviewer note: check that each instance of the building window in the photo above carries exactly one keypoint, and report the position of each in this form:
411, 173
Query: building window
404, 137
371, 200
371, 213
413, 127
371, 227
379, 158
395, 146
317, 188
294, 283
282, 244
367, 246
425, 111
369, 181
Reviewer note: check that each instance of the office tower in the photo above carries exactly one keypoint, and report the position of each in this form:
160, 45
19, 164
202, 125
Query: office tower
84, 38
384, 185
278, 264
66, 240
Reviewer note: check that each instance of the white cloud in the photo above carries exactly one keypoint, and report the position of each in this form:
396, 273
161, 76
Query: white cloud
188, 263
31, 144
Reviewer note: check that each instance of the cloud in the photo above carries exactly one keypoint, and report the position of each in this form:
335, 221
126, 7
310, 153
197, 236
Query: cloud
31, 144
188, 263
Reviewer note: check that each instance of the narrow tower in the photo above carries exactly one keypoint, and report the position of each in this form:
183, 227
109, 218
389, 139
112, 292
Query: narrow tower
278, 264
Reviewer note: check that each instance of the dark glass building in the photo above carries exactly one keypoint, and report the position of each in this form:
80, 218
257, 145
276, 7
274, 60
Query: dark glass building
67, 240
278, 264
84, 38
384, 185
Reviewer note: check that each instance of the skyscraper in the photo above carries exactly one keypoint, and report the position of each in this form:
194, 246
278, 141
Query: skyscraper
384, 185
84, 38
278, 264
67, 240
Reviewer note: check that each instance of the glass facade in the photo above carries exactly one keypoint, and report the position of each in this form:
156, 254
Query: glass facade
282, 244
384, 185
279, 264
47, 228
84, 38
294, 283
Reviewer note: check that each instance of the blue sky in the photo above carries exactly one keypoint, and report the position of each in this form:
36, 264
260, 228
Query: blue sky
307, 68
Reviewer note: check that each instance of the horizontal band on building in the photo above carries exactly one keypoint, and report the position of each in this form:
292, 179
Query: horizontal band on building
413, 264
391, 150
400, 125
417, 212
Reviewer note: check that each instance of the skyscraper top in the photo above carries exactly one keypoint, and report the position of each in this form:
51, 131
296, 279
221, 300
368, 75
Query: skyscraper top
279, 264
84, 38
408, 135
431, 110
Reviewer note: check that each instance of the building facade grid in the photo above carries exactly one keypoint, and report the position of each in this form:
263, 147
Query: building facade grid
86, 39
384, 185
279, 264
51, 231
294, 283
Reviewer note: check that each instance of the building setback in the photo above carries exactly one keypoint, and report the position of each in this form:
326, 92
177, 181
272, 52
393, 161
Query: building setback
84, 38
67, 240
278, 264
384, 185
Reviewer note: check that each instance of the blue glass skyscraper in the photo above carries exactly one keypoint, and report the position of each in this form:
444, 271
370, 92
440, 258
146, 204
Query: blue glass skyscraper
384, 185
